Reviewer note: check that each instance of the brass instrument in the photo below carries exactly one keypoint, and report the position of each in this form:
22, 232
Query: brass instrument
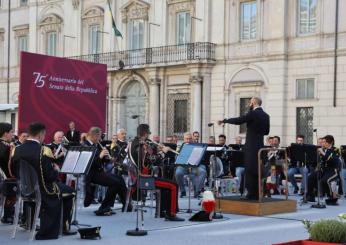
161, 145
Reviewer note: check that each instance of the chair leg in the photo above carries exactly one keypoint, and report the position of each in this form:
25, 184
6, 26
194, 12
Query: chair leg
3, 200
61, 219
37, 213
16, 217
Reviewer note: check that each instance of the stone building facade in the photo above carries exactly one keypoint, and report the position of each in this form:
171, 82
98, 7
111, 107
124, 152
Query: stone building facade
184, 63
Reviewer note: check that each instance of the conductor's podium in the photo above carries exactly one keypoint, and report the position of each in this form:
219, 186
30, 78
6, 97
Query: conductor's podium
268, 206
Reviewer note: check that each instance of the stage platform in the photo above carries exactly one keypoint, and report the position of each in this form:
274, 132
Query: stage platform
268, 206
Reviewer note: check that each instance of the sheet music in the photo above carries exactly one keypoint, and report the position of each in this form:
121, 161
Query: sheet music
195, 156
82, 162
70, 162
214, 148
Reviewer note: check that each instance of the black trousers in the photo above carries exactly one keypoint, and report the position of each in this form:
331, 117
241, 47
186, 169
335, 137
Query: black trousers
326, 178
251, 183
116, 186
50, 215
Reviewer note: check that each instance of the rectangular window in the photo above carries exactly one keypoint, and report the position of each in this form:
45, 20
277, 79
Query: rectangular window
183, 28
243, 109
307, 16
136, 34
248, 22
180, 116
305, 88
305, 116
51, 43
94, 39
23, 2
22, 44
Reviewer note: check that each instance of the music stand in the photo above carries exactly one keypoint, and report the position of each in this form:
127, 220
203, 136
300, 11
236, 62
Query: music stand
307, 154
78, 162
190, 156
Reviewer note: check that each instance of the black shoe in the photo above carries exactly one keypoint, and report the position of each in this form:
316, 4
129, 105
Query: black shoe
173, 218
251, 197
332, 201
197, 195
7, 220
310, 199
301, 193
104, 212
296, 189
183, 194
69, 233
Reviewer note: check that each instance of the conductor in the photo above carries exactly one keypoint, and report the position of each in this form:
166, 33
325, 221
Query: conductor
258, 125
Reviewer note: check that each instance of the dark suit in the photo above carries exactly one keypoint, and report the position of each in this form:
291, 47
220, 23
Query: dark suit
258, 125
41, 158
75, 138
97, 175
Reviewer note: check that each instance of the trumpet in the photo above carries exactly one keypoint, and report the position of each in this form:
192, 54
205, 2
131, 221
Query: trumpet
161, 145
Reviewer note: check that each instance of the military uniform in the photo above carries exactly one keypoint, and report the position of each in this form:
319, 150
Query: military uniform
5, 153
330, 164
53, 194
169, 189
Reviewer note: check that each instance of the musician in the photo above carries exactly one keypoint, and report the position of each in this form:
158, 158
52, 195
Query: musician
118, 150
239, 170
156, 138
21, 138
195, 137
53, 194
72, 134
169, 139
211, 140
222, 140
329, 172
6, 134
198, 174
57, 147
258, 124
97, 175
169, 189
297, 167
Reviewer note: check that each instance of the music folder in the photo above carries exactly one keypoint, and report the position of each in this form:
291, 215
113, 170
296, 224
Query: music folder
78, 160
191, 154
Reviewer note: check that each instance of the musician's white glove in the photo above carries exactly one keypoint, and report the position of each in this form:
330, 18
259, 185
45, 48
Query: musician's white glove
104, 153
165, 149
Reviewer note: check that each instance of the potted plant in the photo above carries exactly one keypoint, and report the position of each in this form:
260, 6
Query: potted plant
323, 232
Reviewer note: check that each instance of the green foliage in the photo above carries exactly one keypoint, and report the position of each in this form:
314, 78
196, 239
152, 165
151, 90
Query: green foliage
333, 231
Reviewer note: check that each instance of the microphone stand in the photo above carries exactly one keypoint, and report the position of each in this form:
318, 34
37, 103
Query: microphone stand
318, 204
216, 191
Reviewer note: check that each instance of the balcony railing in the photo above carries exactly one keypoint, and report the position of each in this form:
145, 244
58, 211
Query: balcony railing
200, 52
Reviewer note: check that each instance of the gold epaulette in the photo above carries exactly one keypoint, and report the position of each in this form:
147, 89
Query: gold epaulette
337, 151
47, 152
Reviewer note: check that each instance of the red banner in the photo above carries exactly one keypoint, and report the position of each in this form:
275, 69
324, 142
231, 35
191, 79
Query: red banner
55, 91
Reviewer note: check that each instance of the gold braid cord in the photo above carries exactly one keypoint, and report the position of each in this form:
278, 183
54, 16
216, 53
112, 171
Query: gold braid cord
56, 190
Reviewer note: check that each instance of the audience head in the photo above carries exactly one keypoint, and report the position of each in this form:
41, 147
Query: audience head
37, 131
6, 131
222, 139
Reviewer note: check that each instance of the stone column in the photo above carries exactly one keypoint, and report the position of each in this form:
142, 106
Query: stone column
196, 100
154, 106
